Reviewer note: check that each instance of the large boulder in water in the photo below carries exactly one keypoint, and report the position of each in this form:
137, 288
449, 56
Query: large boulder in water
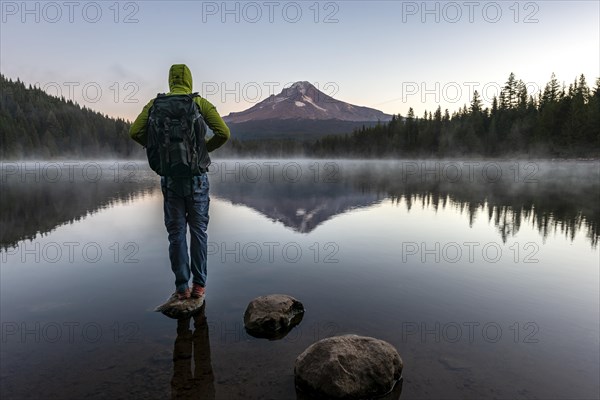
348, 367
177, 309
272, 316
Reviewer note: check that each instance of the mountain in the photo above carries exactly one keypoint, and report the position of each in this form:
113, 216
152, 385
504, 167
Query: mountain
304, 110
304, 101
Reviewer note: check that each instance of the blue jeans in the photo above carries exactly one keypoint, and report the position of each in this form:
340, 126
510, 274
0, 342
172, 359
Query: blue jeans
186, 203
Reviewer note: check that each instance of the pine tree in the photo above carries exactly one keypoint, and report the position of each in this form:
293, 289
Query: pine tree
509, 94
476, 103
552, 93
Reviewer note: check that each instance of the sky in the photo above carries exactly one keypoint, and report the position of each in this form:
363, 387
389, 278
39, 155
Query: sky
114, 56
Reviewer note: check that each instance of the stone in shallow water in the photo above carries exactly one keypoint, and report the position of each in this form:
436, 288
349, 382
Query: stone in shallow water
348, 367
177, 309
273, 316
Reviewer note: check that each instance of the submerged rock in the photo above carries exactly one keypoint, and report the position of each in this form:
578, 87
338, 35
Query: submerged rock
349, 367
273, 316
176, 309
393, 395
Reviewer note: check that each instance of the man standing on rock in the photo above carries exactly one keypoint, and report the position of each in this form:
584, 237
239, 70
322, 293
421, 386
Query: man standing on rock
171, 128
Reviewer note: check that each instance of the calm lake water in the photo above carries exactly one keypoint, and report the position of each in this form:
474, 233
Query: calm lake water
483, 274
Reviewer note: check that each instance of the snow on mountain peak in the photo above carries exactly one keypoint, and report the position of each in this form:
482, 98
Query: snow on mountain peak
302, 100
301, 86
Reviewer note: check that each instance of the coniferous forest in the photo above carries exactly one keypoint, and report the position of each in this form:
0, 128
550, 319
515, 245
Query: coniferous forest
560, 121
37, 125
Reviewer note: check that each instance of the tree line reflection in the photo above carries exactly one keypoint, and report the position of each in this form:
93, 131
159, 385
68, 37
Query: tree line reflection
562, 197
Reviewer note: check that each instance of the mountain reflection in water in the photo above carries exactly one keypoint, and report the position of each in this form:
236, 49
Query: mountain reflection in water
543, 305
302, 195
552, 196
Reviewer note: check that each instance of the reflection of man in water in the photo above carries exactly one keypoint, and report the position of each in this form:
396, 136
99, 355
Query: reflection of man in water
199, 382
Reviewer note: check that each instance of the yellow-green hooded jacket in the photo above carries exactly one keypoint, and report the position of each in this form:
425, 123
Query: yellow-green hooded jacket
180, 82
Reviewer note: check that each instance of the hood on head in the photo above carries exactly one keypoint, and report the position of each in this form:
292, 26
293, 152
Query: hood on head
180, 79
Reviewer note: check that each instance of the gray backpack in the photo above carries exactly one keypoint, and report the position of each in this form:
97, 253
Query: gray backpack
176, 130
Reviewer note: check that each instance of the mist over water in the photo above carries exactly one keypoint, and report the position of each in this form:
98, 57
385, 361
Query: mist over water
483, 274
552, 196
39, 196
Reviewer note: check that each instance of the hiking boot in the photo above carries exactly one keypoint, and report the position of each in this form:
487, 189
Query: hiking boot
183, 295
197, 291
